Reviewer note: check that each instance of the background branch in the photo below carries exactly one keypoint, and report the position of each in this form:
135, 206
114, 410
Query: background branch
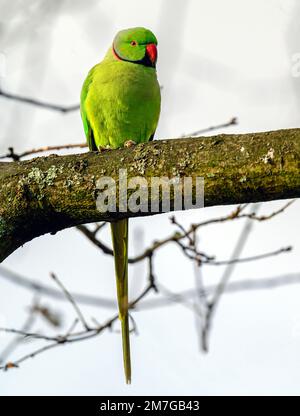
38, 103
186, 239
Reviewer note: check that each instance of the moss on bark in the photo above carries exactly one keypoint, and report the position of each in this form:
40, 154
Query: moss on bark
51, 193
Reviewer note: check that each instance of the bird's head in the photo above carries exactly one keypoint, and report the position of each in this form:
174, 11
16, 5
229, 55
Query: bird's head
137, 45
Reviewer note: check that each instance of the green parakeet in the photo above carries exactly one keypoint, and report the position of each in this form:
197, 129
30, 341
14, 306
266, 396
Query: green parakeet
120, 106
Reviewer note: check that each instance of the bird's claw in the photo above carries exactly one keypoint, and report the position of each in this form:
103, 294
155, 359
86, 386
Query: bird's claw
129, 143
102, 149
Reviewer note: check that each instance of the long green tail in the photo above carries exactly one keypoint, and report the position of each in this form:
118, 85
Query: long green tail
119, 231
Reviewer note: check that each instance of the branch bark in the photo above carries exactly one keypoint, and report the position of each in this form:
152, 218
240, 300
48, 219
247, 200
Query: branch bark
48, 194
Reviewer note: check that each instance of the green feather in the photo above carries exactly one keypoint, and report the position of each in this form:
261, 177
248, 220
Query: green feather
86, 125
119, 232
123, 43
120, 101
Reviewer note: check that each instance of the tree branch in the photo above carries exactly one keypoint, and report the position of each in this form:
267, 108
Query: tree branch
38, 103
51, 193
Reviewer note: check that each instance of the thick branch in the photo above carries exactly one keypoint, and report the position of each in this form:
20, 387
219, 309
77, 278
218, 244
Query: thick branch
51, 193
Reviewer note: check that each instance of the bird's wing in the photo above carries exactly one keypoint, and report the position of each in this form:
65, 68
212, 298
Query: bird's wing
87, 127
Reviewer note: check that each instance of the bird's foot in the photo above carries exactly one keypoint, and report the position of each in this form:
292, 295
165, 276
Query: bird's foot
129, 143
102, 149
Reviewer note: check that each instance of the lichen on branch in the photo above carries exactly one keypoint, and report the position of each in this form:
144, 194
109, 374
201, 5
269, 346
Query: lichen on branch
48, 194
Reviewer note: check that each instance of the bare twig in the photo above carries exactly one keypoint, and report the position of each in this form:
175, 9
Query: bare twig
176, 237
11, 154
213, 303
232, 122
250, 258
52, 317
186, 239
91, 300
46, 290
38, 103
68, 337
30, 319
18, 156
169, 297
71, 300
91, 235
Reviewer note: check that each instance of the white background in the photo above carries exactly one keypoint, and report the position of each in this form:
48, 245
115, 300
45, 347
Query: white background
217, 59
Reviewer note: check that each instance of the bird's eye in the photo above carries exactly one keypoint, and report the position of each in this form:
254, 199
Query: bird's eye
133, 43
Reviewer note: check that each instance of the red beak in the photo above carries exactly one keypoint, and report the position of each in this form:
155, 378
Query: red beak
151, 50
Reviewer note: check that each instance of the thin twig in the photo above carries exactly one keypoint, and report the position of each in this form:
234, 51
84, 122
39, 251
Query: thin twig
38, 103
19, 339
67, 338
176, 237
18, 156
232, 122
250, 258
36, 286
180, 239
71, 300
212, 305
169, 297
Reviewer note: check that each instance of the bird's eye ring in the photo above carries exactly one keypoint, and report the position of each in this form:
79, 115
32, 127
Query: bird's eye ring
133, 43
